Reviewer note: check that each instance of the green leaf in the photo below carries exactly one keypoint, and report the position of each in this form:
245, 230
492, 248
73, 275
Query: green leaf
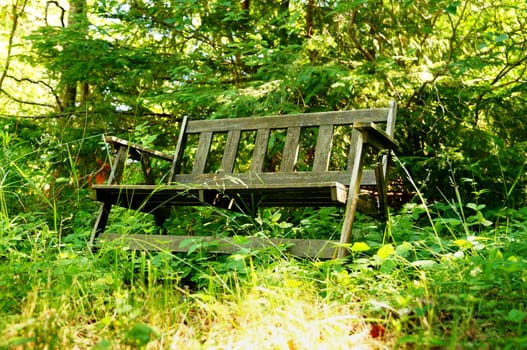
501, 38
425, 264
463, 243
516, 316
140, 334
385, 251
403, 249
452, 7
240, 240
360, 247
476, 207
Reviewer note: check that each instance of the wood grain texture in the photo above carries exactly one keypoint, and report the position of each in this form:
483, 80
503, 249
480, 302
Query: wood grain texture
322, 249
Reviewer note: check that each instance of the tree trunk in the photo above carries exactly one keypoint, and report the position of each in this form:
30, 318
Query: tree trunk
309, 18
77, 20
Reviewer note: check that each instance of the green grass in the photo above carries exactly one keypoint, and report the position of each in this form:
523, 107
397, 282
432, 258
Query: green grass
419, 290
450, 275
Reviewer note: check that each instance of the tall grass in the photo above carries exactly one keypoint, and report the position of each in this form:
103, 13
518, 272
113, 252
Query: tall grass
449, 277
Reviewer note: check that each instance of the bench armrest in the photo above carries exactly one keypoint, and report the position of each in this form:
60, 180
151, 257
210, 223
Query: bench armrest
376, 137
125, 150
134, 150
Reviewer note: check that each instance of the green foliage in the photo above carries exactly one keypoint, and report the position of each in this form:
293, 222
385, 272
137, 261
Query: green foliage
454, 66
447, 272
457, 280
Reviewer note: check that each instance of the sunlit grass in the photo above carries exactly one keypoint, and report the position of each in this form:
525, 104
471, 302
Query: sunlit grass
277, 308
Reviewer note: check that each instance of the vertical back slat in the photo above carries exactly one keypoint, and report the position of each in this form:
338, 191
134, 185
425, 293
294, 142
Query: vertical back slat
390, 126
202, 153
351, 153
323, 148
390, 120
292, 143
231, 149
180, 148
260, 149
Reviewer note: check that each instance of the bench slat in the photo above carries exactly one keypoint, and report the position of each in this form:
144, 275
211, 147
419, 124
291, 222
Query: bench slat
202, 153
286, 178
136, 150
149, 198
290, 120
231, 149
291, 148
323, 148
260, 149
313, 248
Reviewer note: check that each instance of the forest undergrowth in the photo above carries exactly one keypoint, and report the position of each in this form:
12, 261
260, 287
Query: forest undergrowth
440, 276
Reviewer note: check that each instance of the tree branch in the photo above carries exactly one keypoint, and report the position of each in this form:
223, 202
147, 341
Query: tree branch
14, 26
25, 102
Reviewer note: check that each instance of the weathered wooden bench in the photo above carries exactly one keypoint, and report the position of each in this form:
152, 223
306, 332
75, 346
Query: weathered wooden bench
321, 163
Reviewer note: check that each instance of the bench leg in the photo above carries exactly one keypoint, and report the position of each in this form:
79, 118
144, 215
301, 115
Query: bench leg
382, 205
160, 216
353, 192
100, 223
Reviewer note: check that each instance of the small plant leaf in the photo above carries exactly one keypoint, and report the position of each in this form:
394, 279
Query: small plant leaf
516, 316
360, 247
385, 251
140, 335
463, 243
425, 264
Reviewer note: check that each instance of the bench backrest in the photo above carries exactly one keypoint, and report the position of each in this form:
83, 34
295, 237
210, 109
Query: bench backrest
307, 144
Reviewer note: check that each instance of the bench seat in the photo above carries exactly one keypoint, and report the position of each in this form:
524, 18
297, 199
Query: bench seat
148, 197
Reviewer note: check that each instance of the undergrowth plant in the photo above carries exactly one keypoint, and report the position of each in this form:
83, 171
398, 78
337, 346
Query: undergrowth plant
442, 275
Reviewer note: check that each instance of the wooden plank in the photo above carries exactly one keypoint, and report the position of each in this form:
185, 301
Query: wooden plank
390, 121
146, 190
353, 193
135, 149
390, 127
376, 137
100, 222
118, 165
323, 148
149, 198
291, 120
202, 153
253, 178
291, 147
260, 149
322, 249
147, 169
180, 149
231, 149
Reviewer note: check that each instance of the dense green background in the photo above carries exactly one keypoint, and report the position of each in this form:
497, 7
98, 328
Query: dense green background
72, 70
448, 271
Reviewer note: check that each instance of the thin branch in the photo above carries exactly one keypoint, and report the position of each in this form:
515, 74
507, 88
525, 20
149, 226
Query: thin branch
38, 82
14, 25
71, 113
62, 12
355, 40
25, 102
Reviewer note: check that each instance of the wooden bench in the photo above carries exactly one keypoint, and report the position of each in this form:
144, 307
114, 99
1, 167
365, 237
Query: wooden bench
321, 162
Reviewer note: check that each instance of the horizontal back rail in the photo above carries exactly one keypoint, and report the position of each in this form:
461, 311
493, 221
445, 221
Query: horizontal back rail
378, 115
